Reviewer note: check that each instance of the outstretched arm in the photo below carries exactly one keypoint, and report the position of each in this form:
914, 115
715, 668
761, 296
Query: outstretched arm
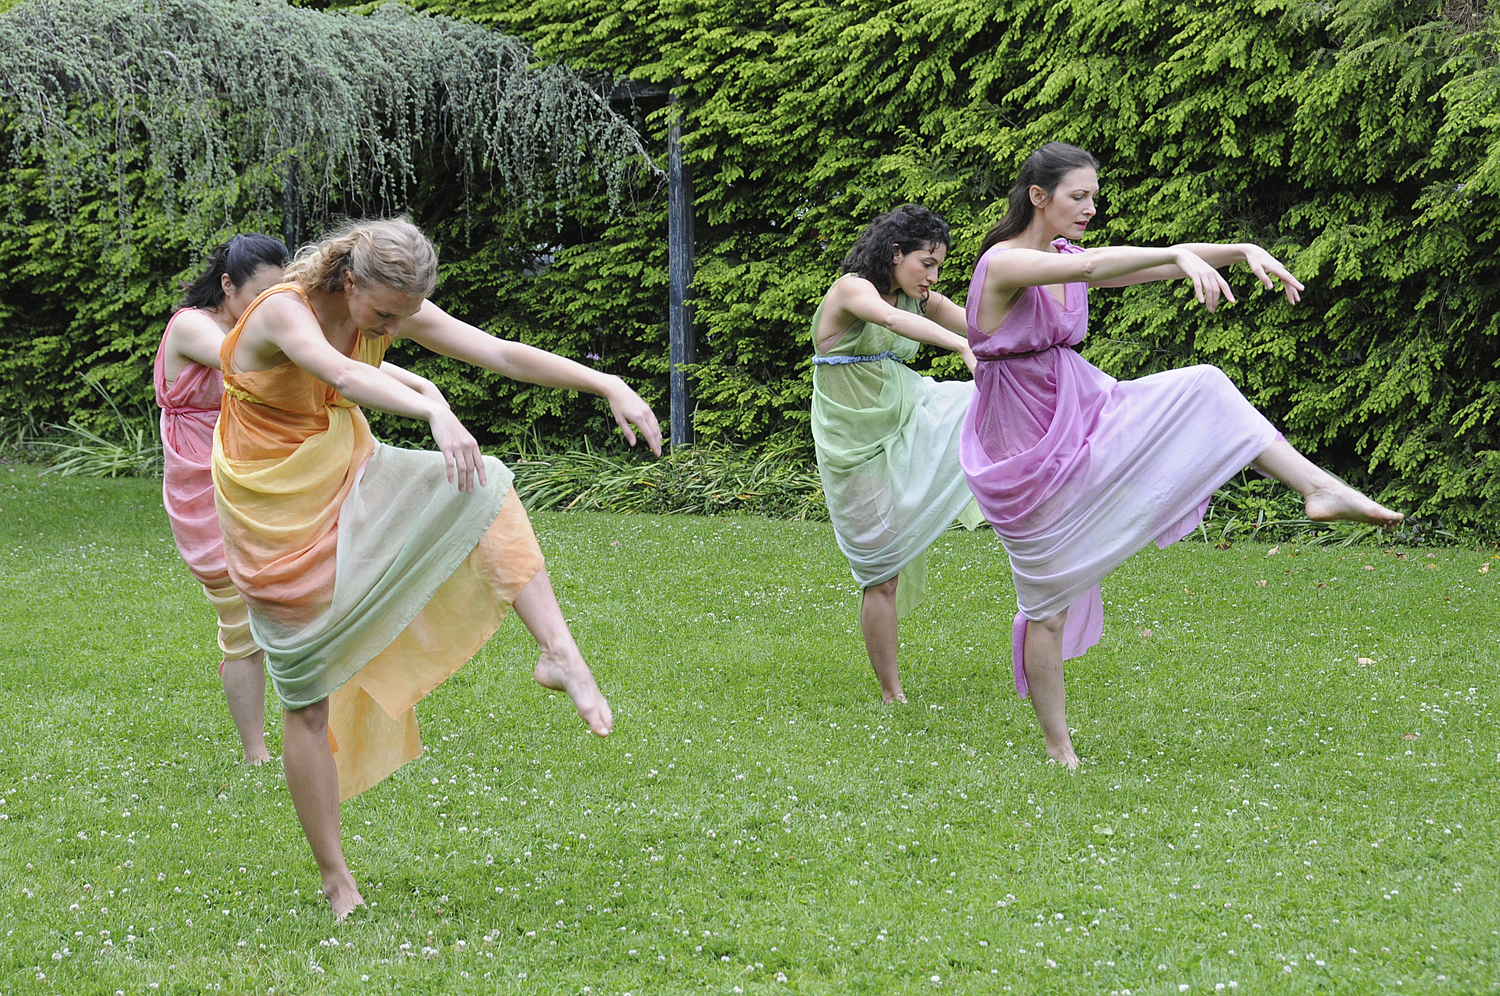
416, 382
284, 326
1017, 268
1216, 254
858, 297
442, 333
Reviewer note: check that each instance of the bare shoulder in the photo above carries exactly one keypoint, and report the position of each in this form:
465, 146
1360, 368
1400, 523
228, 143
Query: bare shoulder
279, 309
195, 320
285, 303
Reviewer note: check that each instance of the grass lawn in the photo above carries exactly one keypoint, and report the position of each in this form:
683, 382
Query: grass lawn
1289, 782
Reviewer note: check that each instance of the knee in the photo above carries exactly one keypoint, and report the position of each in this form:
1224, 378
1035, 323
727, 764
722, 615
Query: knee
1052, 626
885, 589
1212, 375
311, 718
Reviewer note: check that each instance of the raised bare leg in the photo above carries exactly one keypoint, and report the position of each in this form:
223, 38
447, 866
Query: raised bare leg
244, 683
1044, 676
1327, 497
877, 621
314, 784
561, 665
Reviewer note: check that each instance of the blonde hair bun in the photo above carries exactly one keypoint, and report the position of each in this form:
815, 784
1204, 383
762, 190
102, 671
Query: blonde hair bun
390, 252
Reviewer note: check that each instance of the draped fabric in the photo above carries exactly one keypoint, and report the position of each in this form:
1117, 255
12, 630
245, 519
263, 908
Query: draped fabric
369, 577
1075, 470
189, 410
887, 447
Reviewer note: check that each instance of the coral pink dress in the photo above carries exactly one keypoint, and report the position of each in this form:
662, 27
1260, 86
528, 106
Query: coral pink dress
189, 410
1075, 470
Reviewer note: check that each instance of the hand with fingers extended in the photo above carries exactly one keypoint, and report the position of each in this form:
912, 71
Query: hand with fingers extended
629, 410
1209, 284
1265, 266
460, 449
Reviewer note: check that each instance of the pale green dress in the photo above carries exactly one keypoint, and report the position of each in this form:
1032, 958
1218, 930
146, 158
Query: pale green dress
887, 444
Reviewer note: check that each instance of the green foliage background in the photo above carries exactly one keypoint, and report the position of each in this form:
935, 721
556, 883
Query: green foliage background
1358, 139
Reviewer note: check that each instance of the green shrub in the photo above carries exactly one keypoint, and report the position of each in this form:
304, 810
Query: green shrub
1356, 138
1359, 139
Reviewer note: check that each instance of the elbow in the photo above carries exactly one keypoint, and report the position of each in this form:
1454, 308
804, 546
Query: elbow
1088, 265
346, 381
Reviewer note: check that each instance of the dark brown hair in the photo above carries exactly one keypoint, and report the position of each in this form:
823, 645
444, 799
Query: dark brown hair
240, 257
1044, 168
910, 228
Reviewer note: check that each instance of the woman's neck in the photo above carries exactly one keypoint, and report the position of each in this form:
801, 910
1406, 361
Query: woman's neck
332, 312
1038, 236
221, 316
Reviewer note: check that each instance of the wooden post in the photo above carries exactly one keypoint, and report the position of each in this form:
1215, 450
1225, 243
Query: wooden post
682, 347
293, 228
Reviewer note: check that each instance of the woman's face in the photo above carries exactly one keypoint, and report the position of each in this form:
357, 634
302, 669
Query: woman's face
378, 310
237, 299
916, 272
1068, 210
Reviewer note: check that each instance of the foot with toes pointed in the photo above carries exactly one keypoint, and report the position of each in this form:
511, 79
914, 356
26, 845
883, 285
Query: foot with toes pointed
343, 896
1062, 754
568, 673
1338, 501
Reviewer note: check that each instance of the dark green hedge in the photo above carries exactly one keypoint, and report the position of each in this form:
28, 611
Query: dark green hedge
1358, 139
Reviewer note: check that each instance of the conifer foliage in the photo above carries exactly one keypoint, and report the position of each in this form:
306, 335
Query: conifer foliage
311, 103
1358, 139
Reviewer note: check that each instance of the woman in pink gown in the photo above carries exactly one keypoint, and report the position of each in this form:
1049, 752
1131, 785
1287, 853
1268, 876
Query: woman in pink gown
189, 389
1075, 470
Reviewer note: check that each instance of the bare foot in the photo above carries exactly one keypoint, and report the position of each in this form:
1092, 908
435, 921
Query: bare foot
570, 674
256, 756
1339, 501
898, 697
1062, 754
343, 896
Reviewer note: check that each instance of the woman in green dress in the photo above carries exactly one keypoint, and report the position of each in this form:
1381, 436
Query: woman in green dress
887, 438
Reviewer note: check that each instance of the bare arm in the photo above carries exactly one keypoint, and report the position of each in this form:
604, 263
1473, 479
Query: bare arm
442, 333
195, 337
416, 382
284, 326
857, 296
1217, 254
1014, 269
947, 314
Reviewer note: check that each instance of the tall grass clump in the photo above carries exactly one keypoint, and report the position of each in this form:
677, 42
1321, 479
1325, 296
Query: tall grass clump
130, 448
775, 481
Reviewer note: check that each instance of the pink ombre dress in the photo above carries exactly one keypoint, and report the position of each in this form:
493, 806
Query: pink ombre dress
189, 410
1075, 470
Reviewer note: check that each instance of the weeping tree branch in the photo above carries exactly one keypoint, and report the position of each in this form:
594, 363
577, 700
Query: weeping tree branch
296, 105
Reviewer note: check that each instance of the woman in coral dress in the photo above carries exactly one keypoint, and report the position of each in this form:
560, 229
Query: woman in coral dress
372, 573
886, 437
1075, 470
189, 389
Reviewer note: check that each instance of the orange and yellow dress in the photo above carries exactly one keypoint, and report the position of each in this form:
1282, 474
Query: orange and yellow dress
369, 577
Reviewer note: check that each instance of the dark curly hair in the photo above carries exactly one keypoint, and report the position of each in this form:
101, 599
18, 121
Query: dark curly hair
240, 257
1044, 168
910, 228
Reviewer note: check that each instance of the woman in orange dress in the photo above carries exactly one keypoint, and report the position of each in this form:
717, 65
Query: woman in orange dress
369, 576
